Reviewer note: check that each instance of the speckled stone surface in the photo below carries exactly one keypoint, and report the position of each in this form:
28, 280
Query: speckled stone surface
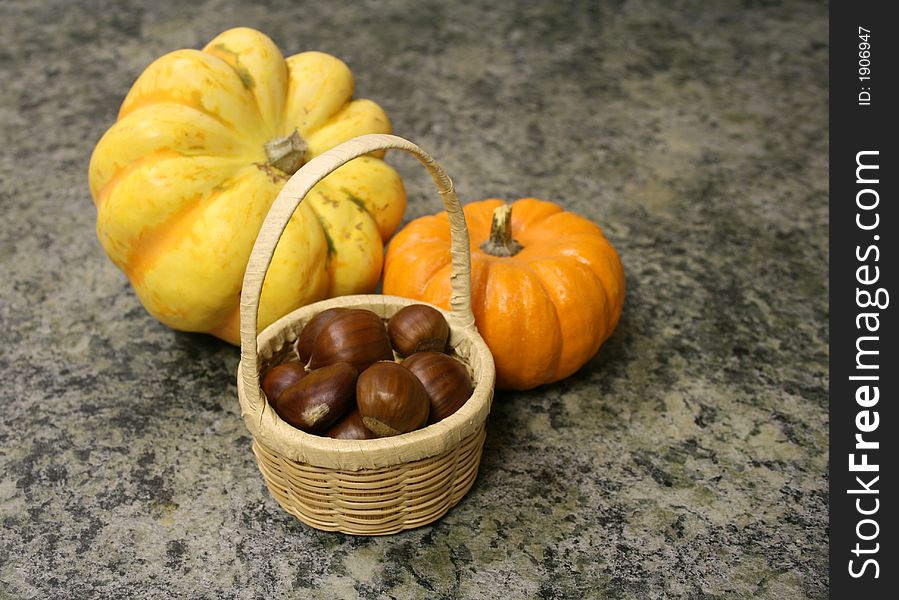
687, 460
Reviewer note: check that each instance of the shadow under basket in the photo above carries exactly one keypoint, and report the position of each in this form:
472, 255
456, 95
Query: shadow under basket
363, 487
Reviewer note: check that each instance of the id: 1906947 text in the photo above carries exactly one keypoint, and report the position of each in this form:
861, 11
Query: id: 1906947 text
864, 66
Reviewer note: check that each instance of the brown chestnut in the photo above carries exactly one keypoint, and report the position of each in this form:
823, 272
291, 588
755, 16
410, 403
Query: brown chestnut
310, 331
444, 378
356, 336
350, 427
391, 399
319, 399
280, 377
417, 328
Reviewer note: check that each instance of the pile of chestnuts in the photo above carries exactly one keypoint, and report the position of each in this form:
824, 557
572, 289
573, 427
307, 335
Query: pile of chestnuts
343, 381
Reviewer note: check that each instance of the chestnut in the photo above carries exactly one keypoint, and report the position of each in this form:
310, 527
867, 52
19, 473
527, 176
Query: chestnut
350, 427
417, 328
356, 336
280, 377
444, 378
319, 399
391, 399
306, 339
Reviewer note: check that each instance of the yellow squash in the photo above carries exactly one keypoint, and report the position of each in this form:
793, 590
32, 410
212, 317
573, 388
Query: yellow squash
203, 143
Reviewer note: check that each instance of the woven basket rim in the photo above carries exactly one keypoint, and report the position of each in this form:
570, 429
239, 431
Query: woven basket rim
277, 435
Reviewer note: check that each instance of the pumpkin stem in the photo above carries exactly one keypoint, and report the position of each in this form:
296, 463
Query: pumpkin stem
286, 153
501, 242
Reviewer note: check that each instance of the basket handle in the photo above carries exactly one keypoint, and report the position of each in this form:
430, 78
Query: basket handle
295, 190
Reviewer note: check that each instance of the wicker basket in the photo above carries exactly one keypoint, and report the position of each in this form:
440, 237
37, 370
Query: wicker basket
364, 487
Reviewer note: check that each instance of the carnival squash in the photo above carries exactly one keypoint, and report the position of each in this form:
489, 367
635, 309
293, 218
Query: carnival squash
547, 286
203, 143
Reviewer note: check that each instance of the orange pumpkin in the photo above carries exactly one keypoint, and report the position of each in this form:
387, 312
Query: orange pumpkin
547, 286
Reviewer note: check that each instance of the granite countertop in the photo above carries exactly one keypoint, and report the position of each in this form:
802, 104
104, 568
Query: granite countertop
687, 460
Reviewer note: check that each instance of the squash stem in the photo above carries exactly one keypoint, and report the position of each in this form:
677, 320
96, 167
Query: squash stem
286, 153
501, 242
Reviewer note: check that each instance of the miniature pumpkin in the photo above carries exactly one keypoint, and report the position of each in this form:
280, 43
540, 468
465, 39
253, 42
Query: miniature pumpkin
547, 287
203, 143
